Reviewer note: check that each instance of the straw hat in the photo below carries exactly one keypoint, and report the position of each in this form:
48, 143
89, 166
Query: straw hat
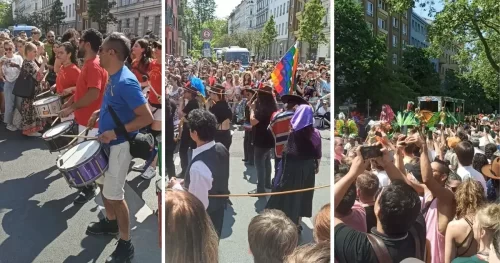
266, 89
217, 89
190, 88
492, 170
294, 99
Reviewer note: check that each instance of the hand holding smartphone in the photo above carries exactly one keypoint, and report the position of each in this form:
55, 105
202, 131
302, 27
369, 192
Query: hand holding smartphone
370, 152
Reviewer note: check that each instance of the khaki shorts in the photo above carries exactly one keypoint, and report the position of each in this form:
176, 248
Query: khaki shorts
116, 175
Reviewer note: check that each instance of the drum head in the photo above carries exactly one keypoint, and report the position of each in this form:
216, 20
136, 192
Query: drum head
79, 154
46, 100
58, 129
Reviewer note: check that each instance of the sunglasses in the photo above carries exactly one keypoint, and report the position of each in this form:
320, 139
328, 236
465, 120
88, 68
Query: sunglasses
8, 49
50, 36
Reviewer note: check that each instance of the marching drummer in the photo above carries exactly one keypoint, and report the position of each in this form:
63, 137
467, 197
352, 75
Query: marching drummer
123, 96
68, 73
88, 94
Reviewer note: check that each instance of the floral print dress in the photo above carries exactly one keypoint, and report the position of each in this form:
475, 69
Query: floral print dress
31, 123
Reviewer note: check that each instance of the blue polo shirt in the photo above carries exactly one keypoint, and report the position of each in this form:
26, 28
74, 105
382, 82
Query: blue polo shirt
123, 93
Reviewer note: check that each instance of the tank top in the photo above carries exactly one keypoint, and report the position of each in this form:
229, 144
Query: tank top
436, 239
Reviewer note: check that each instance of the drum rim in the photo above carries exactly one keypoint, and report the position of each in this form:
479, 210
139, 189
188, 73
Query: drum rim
73, 122
83, 163
58, 99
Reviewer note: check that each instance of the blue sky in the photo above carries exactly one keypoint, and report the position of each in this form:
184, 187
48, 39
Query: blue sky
424, 12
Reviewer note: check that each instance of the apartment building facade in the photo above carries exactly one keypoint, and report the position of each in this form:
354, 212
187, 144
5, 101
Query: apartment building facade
279, 10
172, 27
135, 18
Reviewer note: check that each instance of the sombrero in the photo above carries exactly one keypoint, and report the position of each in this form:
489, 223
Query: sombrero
189, 88
293, 99
249, 89
266, 88
217, 89
492, 170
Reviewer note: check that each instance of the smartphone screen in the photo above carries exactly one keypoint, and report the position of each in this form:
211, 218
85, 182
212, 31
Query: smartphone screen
370, 152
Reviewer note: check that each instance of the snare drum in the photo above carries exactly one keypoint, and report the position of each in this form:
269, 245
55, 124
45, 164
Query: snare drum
53, 137
83, 163
48, 107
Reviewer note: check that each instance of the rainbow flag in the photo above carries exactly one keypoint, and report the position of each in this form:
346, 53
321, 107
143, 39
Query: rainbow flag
283, 76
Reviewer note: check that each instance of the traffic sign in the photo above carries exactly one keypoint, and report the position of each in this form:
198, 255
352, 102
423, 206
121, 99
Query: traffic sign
206, 34
207, 52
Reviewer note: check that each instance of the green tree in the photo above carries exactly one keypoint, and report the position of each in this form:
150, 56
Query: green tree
6, 18
417, 65
99, 12
464, 86
204, 11
269, 35
57, 15
361, 69
312, 24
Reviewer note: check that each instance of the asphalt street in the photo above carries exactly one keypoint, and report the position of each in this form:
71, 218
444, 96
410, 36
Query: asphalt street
39, 222
234, 242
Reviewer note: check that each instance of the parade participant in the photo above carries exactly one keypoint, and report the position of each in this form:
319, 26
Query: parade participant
280, 124
143, 57
186, 142
387, 115
122, 96
261, 111
442, 116
220, 108
300, 163
154, 77
208, 171
11, 68
88, 94
69, 72
248, 154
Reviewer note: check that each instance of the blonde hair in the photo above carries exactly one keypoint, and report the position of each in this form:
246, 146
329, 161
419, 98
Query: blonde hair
489, 217
29, 47
469, 197
317, 253
189, 232
321, 229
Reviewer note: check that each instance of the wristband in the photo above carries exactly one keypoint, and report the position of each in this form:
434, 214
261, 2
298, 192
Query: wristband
120, 130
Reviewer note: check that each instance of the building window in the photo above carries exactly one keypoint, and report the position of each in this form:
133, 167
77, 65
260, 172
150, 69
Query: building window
382, 5
370, 25
382, 23
156, 29
395, 22
394, 59
146, 25
404, 43
369, 8
404, 29
394, 41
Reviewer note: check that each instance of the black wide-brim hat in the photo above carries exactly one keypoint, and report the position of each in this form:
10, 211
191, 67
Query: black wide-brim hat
190, 88
217, 89
266, 89
293, 99
249, 89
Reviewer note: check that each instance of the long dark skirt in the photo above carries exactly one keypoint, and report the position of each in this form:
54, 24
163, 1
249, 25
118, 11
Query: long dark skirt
297, 174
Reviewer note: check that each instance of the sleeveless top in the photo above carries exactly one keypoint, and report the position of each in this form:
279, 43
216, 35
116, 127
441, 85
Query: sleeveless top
436, 239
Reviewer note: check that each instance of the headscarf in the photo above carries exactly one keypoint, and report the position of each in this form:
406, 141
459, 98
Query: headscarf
302, 117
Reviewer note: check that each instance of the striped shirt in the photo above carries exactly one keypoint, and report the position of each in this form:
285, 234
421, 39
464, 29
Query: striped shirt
280, 128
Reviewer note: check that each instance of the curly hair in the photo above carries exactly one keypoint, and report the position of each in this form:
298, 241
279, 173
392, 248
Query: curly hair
469, 197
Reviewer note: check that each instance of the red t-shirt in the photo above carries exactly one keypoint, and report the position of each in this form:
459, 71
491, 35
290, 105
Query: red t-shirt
67, 77
155, 79
92, 76
143, 71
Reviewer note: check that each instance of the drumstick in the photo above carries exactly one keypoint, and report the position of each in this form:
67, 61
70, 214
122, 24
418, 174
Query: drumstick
81, 133
78, 136
45, 92
54, 121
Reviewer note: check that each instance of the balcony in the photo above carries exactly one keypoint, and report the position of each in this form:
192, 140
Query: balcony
383, 11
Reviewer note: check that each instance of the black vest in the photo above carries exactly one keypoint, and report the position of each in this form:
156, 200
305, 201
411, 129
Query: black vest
217, 161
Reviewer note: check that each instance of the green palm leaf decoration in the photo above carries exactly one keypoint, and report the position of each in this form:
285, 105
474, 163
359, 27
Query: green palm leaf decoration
409, 119
450, 118
433, 120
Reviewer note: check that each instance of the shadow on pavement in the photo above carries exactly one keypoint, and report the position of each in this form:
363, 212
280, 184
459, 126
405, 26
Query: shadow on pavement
15, 144
306, 235
43, 223
227, 228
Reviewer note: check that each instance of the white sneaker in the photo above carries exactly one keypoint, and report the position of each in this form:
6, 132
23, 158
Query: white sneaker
35, 134
138, 167
149, 173
11, 127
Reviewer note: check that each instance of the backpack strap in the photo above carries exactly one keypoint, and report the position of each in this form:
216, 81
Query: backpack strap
379, 248
418, 245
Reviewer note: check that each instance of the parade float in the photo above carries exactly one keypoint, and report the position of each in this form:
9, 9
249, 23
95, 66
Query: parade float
436, 109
